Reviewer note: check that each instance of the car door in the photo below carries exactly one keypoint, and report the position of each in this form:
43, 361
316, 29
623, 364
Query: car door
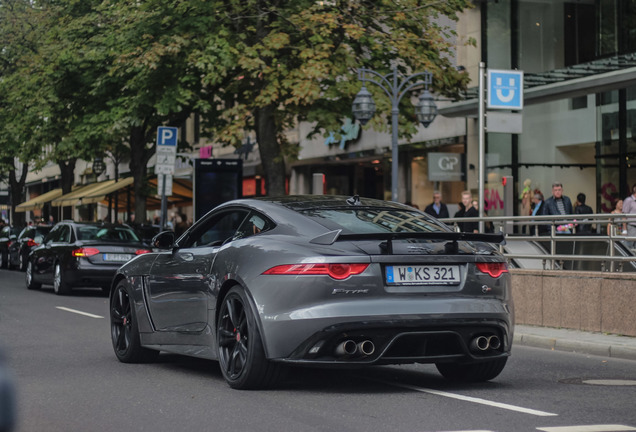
42, 262
180, 286
54, 251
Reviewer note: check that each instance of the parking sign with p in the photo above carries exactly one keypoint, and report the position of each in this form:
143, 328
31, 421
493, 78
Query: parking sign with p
167, 136
166, 150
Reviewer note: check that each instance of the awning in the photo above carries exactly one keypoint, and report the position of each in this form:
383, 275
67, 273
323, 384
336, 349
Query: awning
181, 196
73, 198
100, 194
39, 201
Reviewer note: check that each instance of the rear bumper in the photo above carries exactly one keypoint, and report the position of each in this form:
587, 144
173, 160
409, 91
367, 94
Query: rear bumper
404, 342
83, 273
408, 330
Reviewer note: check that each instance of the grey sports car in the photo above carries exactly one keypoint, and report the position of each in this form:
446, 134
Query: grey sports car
317, 280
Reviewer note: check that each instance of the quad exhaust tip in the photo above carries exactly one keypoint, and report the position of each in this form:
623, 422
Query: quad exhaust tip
366, 347
484, 343
350, 348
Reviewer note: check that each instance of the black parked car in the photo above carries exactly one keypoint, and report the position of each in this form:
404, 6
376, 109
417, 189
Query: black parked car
29, 238
8, 234
75, 254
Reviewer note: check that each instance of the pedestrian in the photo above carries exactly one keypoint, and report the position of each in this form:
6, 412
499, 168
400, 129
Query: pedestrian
629, 208
557, 204
437, 208
181, 225
537, 210
620, 227
583, 209
468, 212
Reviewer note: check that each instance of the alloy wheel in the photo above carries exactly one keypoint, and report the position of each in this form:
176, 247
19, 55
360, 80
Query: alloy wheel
233, 337
29, 274
120, 321
57, 278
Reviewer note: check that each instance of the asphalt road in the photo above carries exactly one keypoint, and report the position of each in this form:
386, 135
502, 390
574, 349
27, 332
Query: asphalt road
68, 379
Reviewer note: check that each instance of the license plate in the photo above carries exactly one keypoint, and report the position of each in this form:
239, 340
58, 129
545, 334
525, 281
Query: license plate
117, 257
423, 275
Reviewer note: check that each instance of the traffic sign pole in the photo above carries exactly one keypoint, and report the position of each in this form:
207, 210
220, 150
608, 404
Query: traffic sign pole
482, 145
164, 204
166, 152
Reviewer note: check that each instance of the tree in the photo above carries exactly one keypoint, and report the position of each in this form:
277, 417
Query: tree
23, 25
277, 62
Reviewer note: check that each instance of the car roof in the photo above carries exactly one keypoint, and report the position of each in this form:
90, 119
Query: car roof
305, 202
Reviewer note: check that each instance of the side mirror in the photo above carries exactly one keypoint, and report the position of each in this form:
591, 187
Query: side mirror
164, 240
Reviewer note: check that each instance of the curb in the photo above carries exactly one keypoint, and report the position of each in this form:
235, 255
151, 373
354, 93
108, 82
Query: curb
620, 351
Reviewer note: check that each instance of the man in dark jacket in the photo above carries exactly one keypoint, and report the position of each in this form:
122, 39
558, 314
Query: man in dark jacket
582, 209
557, 204
537, 210
469, 212
437, 208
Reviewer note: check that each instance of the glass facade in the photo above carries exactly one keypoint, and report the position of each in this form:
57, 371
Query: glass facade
585, 142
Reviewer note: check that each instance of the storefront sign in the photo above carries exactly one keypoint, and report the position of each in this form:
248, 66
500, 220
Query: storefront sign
445, 167
349, 132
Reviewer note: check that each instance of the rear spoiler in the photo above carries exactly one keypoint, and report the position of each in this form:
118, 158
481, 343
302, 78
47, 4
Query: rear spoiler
333, 236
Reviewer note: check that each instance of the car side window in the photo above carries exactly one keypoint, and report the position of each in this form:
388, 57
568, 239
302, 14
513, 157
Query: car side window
65, 234
53, 235
217, 230
254, 224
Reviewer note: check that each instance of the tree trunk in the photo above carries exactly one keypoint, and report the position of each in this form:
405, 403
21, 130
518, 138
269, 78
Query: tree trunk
16, 187
271, 158
140, 155
67, 179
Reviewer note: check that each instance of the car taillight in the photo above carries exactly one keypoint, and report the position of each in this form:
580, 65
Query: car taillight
494, 269
31, 243
336, 271
85, 252
142, 251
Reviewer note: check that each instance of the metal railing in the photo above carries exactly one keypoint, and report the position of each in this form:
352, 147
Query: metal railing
553, 234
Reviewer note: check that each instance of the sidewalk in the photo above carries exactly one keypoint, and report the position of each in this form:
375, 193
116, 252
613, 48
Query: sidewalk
599, 344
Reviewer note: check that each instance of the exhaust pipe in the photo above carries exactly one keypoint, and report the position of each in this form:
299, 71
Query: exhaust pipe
366, 347
346, 348
494, 342
480, 343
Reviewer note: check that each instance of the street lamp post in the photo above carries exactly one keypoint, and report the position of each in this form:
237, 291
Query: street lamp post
395, 86
98, 166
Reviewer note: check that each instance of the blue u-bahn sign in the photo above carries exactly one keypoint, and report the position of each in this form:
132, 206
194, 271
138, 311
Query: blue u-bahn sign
505, 89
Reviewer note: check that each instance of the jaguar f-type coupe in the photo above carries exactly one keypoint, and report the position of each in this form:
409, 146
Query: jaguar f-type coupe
324, 281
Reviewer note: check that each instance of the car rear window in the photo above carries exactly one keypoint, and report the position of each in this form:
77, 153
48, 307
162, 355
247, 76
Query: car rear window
111, 234
372, 220
118, 234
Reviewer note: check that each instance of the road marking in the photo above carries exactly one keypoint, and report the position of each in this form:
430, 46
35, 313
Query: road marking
473, 399
78, 312
588, 428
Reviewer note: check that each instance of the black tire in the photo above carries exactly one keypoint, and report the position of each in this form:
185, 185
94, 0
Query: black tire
23, 262
3, 260
124, 330
28, 276
59, 284
474, 372
240, 347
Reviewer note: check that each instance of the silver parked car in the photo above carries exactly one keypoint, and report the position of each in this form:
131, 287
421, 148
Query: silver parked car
317, 280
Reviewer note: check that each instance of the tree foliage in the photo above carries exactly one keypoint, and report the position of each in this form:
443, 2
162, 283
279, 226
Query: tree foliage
286, 62
85, 76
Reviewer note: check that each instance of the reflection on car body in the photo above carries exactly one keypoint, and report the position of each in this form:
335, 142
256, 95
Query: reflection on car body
321, 280
29, 238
